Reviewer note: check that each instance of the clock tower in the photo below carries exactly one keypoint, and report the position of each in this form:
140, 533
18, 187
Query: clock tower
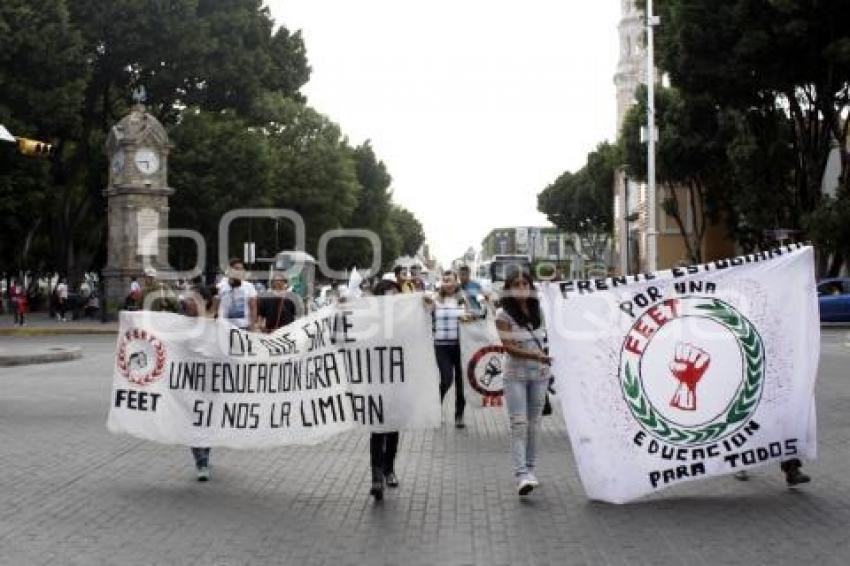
137, 202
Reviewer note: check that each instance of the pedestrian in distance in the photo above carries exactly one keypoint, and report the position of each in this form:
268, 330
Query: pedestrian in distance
449, 309
21, 306
526, 372
472, 291
62, 299
14, 294
383, 446
134, 295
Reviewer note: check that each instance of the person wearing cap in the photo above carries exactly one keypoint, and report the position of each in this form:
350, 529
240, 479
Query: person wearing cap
156, 296
236, 301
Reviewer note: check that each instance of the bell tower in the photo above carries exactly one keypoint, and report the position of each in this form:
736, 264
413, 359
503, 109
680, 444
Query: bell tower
137, 200
631, 68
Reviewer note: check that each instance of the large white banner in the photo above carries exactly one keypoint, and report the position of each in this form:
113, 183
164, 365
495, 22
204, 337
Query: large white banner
694, 372
367, 364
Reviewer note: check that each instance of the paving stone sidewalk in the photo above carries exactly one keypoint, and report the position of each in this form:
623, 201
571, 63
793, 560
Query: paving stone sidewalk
71, 493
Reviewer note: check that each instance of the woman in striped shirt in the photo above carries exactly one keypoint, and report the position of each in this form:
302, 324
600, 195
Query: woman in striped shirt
449, 309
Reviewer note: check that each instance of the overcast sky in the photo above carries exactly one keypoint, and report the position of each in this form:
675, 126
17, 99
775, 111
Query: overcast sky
474, 105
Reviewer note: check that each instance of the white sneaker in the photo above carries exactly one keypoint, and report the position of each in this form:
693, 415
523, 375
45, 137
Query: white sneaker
204, 473
524, 486
533, 479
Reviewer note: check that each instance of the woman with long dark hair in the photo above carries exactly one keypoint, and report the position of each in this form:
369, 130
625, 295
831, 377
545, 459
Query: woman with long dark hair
526, 372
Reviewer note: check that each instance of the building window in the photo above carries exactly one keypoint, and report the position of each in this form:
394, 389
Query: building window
552, 246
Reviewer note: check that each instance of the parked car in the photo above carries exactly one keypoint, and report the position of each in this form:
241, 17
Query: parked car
834, 300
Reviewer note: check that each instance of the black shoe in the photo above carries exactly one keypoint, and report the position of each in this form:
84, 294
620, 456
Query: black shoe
459, 422
377, 490
795, 477
392, 479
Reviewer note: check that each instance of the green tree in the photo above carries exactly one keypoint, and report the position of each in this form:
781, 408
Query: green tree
373, 213
42, 81
409, 230
68, 68
580, 202
690, 160
314, 172
761, 56
219, 164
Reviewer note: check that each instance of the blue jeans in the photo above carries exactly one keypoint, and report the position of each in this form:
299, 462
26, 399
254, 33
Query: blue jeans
524, 399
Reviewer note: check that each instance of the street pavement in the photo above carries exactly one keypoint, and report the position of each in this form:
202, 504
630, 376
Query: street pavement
71, 493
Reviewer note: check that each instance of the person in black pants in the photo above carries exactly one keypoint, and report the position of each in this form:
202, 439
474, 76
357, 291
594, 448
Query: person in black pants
383, 446
449, 309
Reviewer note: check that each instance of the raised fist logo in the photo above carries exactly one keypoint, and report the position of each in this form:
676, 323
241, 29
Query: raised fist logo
492, 370
688, 367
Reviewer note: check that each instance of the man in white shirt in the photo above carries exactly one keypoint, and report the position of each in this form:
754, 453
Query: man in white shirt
237, 298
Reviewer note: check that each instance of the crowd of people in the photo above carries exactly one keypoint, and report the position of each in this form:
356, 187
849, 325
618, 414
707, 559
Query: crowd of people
62, 303
457, 299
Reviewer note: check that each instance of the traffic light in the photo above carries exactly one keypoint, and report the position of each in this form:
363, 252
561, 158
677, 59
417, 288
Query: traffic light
34, 148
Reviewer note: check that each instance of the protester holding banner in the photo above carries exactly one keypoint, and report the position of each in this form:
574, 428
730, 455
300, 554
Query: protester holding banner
237, 299
278, 307
526, 372
194, 305
449, 309
402, 277
383, 446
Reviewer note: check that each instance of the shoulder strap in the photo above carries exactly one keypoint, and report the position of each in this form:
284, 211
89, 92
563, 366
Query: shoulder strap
530, 330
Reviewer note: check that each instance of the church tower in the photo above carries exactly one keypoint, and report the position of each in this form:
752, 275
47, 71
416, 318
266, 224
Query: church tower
631, 68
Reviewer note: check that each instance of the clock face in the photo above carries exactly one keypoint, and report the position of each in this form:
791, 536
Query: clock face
147, 161
117, 162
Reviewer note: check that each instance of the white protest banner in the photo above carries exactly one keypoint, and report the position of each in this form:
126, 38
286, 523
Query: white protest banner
688, 373
481, 356
365, 364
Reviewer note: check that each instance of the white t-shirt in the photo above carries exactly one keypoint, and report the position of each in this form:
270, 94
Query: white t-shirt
62, 291
233, 303
135, 287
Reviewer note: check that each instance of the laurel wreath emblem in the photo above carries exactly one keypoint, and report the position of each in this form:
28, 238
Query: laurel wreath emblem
159, 352
742, 407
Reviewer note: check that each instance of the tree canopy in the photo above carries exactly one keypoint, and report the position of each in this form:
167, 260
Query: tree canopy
580, 202
777, 75
222, 77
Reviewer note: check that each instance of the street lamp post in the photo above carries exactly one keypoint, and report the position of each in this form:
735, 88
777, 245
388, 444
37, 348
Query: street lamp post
651, 232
